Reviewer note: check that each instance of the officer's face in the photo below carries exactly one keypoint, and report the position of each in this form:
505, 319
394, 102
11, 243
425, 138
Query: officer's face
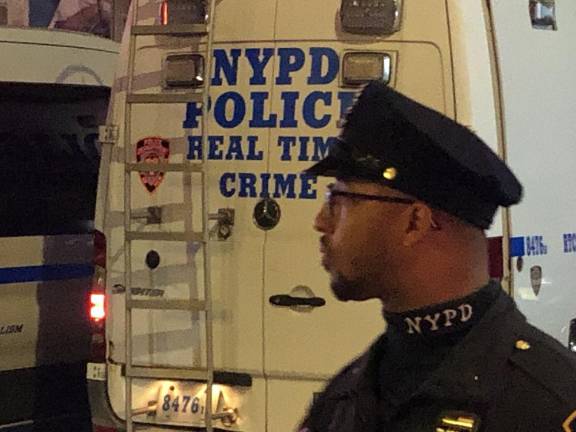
360, 240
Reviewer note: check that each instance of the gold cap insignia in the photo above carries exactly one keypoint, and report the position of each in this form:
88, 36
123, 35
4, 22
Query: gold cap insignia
390, 173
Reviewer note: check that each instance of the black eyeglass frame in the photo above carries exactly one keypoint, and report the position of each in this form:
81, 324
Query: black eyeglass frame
332, 193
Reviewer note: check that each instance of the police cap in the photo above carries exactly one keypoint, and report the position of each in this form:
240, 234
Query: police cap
391, 139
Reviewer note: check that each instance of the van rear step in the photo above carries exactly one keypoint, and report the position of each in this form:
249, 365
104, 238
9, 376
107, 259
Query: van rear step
235, 379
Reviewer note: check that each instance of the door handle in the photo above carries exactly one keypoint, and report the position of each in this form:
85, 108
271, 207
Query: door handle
287, 301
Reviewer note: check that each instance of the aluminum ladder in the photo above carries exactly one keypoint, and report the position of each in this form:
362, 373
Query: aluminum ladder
197, 33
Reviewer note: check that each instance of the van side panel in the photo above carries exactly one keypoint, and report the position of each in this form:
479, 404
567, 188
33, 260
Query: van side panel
474, 87
537, 67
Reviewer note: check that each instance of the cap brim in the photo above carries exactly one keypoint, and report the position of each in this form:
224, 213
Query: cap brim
328, 167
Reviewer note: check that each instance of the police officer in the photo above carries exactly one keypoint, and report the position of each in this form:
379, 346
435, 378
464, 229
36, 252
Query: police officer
404, 222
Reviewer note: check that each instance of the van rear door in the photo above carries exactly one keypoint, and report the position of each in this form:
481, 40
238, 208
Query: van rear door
306, 345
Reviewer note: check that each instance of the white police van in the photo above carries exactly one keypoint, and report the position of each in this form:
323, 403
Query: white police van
215, 310
54, 91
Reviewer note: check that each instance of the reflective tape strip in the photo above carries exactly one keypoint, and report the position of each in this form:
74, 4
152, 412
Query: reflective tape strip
23, 426
45, 273
517, 247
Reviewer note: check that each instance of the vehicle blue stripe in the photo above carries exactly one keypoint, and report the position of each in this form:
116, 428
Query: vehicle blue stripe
45, 273
517, 247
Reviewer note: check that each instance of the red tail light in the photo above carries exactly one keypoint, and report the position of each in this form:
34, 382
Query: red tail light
164, 13
97, 311
97, 300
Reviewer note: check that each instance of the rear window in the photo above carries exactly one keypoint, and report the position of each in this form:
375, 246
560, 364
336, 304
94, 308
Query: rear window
49, 158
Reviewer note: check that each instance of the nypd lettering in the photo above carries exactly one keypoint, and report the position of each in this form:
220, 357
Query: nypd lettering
532, 245
11, 329
569, 240
535, 245
311, 106
438, 320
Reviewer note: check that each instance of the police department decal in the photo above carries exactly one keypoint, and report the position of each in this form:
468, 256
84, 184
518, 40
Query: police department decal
152, 150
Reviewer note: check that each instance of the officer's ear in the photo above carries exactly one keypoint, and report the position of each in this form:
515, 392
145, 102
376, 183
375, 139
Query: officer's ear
420, 221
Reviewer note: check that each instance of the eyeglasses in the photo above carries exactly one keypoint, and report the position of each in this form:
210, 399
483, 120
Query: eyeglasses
332, 194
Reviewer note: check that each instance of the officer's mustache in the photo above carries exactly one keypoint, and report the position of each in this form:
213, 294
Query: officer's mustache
324, 244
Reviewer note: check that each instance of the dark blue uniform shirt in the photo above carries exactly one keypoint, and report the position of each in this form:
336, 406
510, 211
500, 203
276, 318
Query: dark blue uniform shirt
473, 365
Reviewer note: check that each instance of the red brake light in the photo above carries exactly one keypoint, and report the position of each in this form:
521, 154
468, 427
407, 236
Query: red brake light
97, 300
97, 311
164, 13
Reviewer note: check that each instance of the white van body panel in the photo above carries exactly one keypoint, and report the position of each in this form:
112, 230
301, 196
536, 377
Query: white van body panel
66, 57
537, 69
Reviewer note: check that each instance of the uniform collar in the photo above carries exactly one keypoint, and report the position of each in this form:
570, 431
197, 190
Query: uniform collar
450, 320
478, 359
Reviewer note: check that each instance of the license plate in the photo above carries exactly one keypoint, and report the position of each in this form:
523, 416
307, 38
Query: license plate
183, 404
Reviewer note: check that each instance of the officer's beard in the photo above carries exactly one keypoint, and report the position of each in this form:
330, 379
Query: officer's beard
346, 289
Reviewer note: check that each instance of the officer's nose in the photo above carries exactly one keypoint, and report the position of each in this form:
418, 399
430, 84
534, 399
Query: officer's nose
323, 221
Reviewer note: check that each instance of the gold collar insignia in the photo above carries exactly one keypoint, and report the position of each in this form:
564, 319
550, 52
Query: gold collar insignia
457, 421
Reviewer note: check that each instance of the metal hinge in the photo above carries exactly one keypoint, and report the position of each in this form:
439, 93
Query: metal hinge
108, 134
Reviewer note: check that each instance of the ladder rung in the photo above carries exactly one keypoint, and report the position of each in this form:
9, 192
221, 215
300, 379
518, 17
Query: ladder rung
160, 98
165, 167
170, 29
165, 236
184, 305
166, 373
151, 408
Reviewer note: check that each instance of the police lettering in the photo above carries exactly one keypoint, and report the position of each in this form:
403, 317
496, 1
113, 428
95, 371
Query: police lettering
231, 109
443, 319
